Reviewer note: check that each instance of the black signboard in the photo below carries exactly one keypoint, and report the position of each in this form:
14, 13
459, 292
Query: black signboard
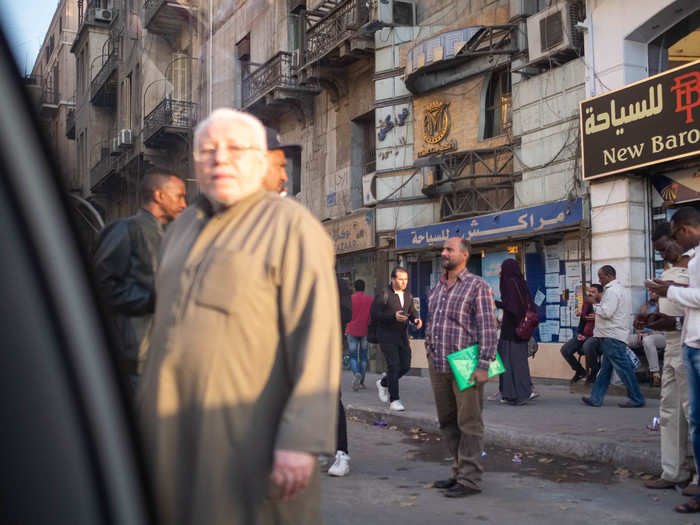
651, 121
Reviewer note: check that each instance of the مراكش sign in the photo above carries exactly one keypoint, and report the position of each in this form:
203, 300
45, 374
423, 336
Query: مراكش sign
654, 120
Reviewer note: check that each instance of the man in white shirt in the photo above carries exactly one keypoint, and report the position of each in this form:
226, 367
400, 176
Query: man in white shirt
685, 227
676, 460
611, 327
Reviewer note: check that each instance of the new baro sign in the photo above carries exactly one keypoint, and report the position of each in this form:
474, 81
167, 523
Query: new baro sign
654, 120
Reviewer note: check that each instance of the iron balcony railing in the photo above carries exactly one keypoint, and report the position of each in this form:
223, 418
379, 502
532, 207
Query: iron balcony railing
49, 96
278, 72
104, 167
178, 115
341, 23
108, 67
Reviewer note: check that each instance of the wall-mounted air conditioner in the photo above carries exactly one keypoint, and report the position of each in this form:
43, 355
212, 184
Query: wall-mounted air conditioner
126, 138
396, 12
369, 189
554, 30
103, 15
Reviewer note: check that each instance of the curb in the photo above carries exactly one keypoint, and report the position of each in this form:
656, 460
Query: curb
624, 455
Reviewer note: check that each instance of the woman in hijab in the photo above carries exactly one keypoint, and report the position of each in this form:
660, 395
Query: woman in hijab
515, 384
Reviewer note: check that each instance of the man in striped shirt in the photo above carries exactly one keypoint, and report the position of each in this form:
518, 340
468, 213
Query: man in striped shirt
461, 313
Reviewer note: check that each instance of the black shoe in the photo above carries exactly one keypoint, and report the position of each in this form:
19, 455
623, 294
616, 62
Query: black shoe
577, 377
460, 491
587, 401
629, 404
445, 483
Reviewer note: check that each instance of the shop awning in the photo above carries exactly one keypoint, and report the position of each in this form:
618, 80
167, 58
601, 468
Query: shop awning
494, 226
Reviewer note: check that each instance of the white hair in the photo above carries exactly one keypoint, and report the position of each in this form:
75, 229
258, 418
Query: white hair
233, 116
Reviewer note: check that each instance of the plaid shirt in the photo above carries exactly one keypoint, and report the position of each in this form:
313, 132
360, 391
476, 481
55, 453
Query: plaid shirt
458, 317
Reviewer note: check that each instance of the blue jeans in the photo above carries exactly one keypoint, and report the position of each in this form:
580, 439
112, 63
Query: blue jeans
691, 357
615, 356
358, 355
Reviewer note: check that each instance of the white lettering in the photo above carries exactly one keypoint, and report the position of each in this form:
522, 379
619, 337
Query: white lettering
693, 136
608, 156
656, 144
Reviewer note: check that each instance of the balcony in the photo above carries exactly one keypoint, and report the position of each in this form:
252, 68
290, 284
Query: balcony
170, 121
70, 124
275, 85
102, 171
470, 182
48, 101
103, 88
93, 16
332, 37
167, 17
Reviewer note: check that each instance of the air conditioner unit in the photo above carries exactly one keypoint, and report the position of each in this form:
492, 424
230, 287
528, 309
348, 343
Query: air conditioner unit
103, 15
296, 58
554, 30
126, 138
369, 189
114, 150
396, 12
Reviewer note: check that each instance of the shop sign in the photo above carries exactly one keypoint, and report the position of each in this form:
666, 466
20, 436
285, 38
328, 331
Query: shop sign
496, 225
648, 122
352, 233
436, 127
678, 186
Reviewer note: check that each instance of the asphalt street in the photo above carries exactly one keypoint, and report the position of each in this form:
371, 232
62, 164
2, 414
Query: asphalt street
392, 473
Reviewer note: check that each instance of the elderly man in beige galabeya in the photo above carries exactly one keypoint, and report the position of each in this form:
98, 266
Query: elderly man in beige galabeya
240, 391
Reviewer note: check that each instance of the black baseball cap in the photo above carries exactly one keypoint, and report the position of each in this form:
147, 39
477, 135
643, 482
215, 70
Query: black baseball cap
273, 142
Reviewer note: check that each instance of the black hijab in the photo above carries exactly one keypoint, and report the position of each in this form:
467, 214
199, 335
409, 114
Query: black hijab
514, 291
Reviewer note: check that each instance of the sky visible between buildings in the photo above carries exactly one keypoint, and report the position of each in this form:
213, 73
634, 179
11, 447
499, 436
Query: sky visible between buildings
25, 23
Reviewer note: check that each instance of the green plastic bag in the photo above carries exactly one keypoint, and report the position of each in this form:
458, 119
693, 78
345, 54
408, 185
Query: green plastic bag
463, 364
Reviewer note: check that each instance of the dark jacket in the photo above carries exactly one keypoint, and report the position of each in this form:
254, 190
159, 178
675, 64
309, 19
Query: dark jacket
125, 264
384, 309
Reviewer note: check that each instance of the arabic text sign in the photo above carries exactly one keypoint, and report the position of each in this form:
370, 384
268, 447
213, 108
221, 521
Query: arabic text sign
496, 225
652, 121
352, 233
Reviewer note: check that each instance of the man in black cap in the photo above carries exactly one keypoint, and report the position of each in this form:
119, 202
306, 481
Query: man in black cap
276, 175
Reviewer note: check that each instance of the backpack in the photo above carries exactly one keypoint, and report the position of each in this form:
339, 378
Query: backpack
373, 323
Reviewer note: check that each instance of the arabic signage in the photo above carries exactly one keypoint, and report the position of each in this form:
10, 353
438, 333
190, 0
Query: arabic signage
352, 233
496, 225
654, 120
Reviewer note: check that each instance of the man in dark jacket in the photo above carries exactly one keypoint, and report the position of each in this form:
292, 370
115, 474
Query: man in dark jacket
125, 264
393, 309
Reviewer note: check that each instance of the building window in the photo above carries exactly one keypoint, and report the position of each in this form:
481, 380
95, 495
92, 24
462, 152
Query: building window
497, 104
294, 172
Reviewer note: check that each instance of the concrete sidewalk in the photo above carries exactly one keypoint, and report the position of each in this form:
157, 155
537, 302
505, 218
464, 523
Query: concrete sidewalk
556, 423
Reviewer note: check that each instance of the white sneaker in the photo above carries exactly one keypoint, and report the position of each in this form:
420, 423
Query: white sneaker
383, 391
397, 405
341, 466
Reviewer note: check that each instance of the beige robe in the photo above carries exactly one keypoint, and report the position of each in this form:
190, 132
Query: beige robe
244, 359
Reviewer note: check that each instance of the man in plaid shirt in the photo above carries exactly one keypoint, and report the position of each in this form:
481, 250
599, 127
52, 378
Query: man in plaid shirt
461, 313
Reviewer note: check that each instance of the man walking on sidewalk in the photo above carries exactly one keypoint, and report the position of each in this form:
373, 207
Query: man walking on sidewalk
356, 332
612, 318
461, 313
125, 265
673, 408
393, 309
685, 228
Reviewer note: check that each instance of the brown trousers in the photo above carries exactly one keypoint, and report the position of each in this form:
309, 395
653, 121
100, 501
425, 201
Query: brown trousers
459, 416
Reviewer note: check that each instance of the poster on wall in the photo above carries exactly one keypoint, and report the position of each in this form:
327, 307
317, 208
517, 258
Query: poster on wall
491, 270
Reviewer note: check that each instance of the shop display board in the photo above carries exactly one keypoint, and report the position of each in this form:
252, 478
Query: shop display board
555, 284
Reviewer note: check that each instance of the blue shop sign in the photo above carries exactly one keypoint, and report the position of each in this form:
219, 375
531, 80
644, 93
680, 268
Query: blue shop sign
505, 224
